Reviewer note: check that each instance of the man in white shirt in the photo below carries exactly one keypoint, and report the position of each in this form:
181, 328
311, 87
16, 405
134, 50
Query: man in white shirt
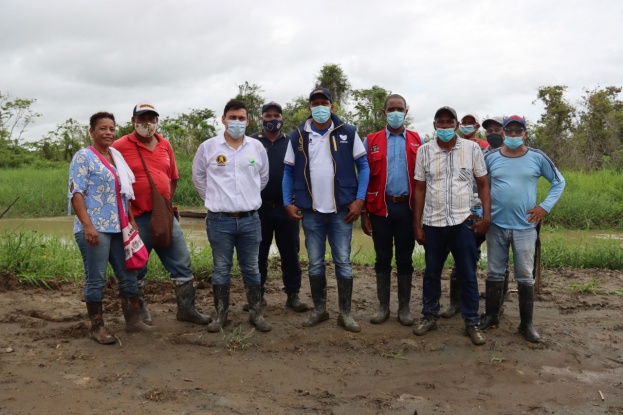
229, 172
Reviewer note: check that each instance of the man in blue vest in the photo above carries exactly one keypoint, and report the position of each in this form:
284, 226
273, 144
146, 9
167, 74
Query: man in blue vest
321, 187
389, 204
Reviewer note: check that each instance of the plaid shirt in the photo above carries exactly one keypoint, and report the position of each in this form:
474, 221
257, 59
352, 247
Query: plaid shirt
449, 177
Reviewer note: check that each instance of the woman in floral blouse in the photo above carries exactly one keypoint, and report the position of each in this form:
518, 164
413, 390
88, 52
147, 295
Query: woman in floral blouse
97, 225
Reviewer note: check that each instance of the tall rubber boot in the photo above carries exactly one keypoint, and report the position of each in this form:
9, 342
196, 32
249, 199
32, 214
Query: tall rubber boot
526, 309
99, 333
493, 303
383, 288
404, 298
131, 307
254, 299
186, 311
345, 295
505, 293
145, 314
221, 304
294, 302
453, 308
318, 287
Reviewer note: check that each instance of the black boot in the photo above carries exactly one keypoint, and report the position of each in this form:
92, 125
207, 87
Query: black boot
505, 293
383, 288
404, 298
99, 333
493, 302
526, 309
186, 311
221, 304
318, 287
263, 302
295, 303
145, 314
345, 294
453, 308
254, 299
131, 307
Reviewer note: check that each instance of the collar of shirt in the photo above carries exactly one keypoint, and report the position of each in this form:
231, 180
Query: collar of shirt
457, 145
221, 139
308, 128
403, 134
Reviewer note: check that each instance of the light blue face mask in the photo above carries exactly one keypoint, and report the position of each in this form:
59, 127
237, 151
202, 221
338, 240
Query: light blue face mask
466, 129
321, 114
445, 134
395, 119
236, 128
513, 142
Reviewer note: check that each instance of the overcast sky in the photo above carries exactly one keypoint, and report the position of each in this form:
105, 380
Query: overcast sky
77, 57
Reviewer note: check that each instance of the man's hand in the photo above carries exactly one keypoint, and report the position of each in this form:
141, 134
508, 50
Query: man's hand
354, 210
366, 224
420, 236
293, 212
537, 214
481, 227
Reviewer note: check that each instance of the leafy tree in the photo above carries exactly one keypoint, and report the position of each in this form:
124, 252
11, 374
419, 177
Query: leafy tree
332, 76
295, 113
369, 105
62, 143
555, 127
15, 116
187, 131
250, 94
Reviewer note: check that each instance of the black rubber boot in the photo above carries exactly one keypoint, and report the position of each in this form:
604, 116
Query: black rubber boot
318, 287
526, 309
383, 288
186, 311
145, 314
131, 307
221, 305
404, 298
264, 304
99, 333
453, 308
493, 303
345, 295
295, 303
254, 299
505, 293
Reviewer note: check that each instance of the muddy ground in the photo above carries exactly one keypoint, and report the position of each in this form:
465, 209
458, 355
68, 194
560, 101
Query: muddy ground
49, 365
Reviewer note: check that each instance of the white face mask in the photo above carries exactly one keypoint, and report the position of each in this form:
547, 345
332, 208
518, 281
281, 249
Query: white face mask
145, 129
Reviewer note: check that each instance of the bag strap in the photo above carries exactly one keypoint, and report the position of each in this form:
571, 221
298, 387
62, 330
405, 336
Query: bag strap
122, 216
151, 181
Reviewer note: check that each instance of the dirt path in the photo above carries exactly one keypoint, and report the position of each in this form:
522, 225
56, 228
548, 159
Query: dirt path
49, 365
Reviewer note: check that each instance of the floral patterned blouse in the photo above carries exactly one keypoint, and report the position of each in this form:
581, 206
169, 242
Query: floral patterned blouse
90, 177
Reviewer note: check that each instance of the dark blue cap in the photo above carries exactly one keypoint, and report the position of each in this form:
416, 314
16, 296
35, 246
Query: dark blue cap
272, 104
515, 118
321, 91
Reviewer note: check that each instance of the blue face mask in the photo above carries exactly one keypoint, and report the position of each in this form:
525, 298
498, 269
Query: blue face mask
513, 142
272, 126
236, 128
466, 129
445, 134
395, 119
321, 114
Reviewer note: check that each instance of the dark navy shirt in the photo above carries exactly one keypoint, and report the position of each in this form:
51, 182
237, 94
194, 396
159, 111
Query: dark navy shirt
276, 151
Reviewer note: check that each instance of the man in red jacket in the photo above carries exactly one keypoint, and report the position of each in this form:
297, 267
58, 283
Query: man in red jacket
389, 204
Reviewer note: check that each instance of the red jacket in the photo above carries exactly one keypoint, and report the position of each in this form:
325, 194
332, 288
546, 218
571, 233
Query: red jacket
377, 159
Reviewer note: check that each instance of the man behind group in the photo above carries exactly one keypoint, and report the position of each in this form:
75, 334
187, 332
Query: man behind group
160, 160
229, 172
469, 127
444, 172
272, 213
514, 172
389, 218
321, 187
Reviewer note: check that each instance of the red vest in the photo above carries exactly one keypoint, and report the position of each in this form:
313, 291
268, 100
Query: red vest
377, 159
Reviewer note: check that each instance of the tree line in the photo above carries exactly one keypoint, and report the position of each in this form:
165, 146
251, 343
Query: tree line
585, 136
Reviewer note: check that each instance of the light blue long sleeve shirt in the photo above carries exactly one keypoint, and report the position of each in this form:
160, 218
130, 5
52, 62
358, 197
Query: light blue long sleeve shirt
397, 178
514, 185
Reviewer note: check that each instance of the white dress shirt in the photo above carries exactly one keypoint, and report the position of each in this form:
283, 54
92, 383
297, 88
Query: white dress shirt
230, 180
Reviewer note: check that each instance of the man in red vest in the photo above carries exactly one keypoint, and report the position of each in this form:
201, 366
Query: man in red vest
389, 205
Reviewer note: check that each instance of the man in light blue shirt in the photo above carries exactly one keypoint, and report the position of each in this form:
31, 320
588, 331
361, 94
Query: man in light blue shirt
514, 171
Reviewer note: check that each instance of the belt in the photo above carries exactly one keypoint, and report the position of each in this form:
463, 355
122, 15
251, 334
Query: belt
235, 214
396, 199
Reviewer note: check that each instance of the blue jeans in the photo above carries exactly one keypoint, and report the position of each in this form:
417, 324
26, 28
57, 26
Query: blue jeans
225, 233
522, 241
175, 258
320, 226
461, 242
96, 259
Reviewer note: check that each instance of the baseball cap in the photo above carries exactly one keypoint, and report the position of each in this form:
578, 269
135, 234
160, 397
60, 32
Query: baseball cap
515, 118
488, 121
272, 104
321, 91
143, 107
471, 114
446, 109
